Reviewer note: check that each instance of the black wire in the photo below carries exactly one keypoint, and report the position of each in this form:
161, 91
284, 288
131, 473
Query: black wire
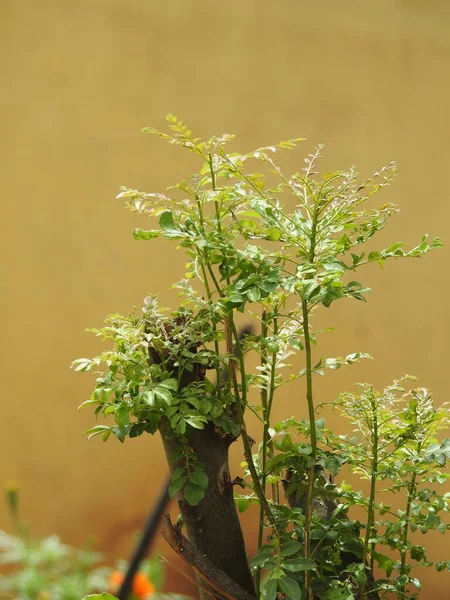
144, 543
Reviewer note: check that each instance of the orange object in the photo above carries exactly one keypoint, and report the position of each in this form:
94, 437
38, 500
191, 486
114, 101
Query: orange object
142, 587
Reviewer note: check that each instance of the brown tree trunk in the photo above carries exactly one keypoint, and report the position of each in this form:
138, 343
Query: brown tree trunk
213, 525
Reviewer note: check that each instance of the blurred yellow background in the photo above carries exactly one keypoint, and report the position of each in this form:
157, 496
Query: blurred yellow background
79, 79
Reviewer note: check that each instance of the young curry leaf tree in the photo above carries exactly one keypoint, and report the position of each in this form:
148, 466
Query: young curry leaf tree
277, 251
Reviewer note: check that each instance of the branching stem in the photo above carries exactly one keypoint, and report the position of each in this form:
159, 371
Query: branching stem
313, 440
230, 330
311, 412
411, 489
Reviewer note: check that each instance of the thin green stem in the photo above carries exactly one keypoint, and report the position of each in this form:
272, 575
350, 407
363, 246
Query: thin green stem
311, 413
214, 278
213, 185
209, 296
214, 326
313, 440
373, 481
230, 330
411, 492
273, 366
264, 403
240, 403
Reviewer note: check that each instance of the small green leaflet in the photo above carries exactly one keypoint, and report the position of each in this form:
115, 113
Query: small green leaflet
296, 565
103, 596
290, 587
82, 364
143, 234
167, 224
164, 394
176, 485
122, 416
200, 478
193, 493
291, 547
269, 589
96, 431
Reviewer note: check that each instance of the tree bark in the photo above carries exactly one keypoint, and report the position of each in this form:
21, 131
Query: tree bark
220, 584
213, 525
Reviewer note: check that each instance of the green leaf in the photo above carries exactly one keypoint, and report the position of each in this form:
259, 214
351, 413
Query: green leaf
86, 402
277, 460
149, 397
384, 562
205, 406
260, 559
178, 473
170, 384
393, 247
357, 258
273, 274
176, 485
298, 564
268, 286
332, 464
291, 547
120, 433
340, 593
254, 294
310, 289
241, 503
193, 493
290, 587
137, 429
122, 415
164, 394
82, 364
358, 572
216, 409
273, 234
181, 427
193, 401
143, 234
417, 553
174, 419
269, 589
200, 478
295, 342
376, 256
416, 582
196, 422
167, 224
153, 419
303, 449
236, 299
96, 431
353, 547
103, 596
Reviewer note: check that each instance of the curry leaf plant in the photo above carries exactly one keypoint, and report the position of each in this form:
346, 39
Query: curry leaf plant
277, 248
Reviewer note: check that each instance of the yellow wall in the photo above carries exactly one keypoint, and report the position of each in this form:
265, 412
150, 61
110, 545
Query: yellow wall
78, 81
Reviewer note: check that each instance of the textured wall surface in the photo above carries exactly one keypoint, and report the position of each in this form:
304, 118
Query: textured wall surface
79, 79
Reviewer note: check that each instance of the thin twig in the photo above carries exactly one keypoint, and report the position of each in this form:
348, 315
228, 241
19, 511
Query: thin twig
212, 575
